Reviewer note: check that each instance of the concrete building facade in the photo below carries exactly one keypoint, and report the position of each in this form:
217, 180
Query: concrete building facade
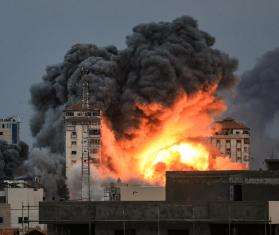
222, 186
9, 130
128, 192
5, 215
197, 203
232, 138
21, 207
163, 218
83, 138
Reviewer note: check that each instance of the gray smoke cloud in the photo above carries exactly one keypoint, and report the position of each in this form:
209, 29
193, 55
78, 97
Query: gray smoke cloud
160, 60
49, 168
257, 104
11, 158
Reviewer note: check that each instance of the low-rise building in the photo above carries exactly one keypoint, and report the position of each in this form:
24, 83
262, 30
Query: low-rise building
232, 138
20, 206
9, 130
197, 203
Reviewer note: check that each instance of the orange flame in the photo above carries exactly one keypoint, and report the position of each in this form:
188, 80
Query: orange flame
175, 139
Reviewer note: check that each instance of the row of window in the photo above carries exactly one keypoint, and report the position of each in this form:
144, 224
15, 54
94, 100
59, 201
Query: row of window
91, 132
238, 150
95, 122
86, 114
239, 141
24, 220
232, 132
8, 125
92, 151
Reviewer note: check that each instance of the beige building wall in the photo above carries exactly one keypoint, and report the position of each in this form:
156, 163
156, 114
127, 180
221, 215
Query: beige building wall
19, 199
5, 216
273, 211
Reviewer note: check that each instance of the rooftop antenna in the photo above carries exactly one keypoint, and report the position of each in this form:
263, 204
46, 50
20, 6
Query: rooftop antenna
85, 89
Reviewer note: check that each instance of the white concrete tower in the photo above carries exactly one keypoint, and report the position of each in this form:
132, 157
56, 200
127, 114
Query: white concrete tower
83, 145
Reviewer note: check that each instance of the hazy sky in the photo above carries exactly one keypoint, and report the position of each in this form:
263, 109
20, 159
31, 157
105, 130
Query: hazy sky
36, 33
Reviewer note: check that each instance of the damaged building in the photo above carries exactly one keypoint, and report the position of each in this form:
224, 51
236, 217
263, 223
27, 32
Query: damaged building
201, 203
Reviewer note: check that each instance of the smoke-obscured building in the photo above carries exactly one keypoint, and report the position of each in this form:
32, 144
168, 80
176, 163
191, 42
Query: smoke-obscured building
232, 138
9, 130
83, 140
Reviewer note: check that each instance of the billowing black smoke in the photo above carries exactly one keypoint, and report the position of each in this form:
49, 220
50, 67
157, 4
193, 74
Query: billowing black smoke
257, 104
11, 158
160, 60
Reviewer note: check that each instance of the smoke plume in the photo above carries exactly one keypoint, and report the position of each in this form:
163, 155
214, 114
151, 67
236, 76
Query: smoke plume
161, 60
257, 104
11, 158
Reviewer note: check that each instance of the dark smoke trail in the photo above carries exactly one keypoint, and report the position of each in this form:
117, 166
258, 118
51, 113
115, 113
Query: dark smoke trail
257, 103
160, 60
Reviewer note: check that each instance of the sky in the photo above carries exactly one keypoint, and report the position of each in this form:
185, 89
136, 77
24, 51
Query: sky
37, 33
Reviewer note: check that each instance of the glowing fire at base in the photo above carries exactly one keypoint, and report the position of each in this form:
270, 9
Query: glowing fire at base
176, 139
183, 156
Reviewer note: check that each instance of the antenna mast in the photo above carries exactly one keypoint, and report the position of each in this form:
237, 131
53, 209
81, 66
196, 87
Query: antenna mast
85, 159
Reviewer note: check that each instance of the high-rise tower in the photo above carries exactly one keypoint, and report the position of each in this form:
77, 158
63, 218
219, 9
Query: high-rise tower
83, 141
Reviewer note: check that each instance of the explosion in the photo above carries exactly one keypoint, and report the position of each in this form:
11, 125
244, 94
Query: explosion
177, 138
158, 96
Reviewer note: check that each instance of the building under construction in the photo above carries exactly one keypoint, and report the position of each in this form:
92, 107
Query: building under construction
197, 203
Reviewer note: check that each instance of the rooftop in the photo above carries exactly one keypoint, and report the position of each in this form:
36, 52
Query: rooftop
230, 123
9, 119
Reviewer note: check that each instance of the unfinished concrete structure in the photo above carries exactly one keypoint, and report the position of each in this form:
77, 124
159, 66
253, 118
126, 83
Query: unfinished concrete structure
197, 203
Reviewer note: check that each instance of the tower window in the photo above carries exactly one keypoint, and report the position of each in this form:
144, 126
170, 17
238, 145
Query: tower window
96, 113
74, 152
95, 141
228, 151
94, 132
246, 141
70, 114
237, 192
74, 134
94, 151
